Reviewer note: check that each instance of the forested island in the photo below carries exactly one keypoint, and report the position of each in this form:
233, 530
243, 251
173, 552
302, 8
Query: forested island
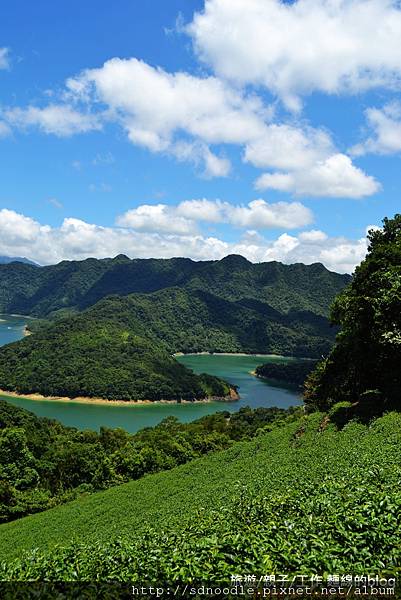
293, 373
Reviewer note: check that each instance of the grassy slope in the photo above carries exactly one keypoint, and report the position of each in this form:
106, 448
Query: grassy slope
348, 482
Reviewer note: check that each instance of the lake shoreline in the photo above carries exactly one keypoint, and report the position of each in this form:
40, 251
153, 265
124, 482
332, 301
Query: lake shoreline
232, 397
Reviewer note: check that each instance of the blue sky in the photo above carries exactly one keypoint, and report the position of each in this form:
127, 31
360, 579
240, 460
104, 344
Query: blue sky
198, 128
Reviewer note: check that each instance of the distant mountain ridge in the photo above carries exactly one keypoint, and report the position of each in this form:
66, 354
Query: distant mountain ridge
4, 260
76, 285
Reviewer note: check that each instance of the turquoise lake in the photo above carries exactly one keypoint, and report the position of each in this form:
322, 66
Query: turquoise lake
236, 369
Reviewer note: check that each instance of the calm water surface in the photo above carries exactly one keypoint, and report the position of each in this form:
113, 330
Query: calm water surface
235, 369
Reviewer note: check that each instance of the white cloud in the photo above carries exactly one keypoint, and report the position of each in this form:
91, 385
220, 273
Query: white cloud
312, 236
201, 156
314, 166
159, 217
293, 49
154, 104
344, 255
156, 108
202, 210
76, 240
283, 146
18, 229
60, 120
182, 219
187, 116
260, 215
4, 58
334, 177
386, 126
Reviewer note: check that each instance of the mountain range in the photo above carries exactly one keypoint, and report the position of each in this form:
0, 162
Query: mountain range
112, 325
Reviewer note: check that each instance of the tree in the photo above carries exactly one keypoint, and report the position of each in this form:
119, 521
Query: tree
364, 364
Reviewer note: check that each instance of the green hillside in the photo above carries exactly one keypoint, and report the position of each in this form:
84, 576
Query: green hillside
43, 463
94, 356
197, 321
303, 497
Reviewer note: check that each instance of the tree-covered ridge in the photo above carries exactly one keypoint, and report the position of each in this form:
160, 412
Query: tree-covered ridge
43, 463
364, 367
75, 285
100, 357
294, 372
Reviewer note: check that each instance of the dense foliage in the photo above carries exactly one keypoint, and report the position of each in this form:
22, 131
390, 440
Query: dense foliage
364, 366
297, 499
100, 358
197, 321
293, 372
43, 463
74, 285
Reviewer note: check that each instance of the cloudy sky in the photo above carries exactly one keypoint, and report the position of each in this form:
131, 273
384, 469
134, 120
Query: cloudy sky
198, 128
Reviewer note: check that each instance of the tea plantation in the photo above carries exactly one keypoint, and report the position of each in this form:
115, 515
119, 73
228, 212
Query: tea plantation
303, 496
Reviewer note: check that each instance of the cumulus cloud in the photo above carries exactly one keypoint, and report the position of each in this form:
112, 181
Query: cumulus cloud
76, 240
260, 215
285, 146
60, 120
182, 219
4, 58
201, 156
202, 210
312, 236
156, 107
187, 117
159, 217
159, 110
334, 177
385, 124
293, 49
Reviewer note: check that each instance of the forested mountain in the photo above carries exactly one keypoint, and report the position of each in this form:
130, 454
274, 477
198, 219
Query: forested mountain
75, 285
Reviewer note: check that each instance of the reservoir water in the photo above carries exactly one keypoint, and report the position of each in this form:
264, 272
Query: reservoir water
236, 369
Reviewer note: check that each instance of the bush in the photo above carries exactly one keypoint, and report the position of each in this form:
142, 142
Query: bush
341, 413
